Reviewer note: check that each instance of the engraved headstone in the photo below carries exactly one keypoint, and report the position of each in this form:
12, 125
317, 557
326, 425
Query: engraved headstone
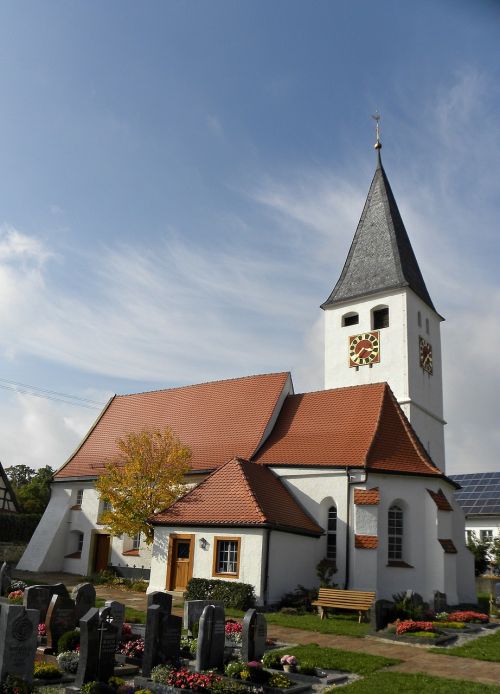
159, 597
193, 610
84, 596
382, 613
18, 641
89, 648
163, 638
440, 604
108, 635
5, 578
60, 619
211, 638
117, 610
39, 597
253, 636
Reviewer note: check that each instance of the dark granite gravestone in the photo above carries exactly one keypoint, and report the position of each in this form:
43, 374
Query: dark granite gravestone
440, 603
381, 614
117, 610
60, 619
162, 641
39, 597
253, 636
211, 639
159, 597
18, 640
108, 636
5, 578
84, 596
193, 610
88, 664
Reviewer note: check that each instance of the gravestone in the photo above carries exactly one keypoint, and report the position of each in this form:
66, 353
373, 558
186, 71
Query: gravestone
381, 613
440, 604
18, 640
117, 611
84, 596
5, 578
193, 610
163, 637
108, 635
159, 597
60, 619
39, 597
88, 664
211, 639
253, 636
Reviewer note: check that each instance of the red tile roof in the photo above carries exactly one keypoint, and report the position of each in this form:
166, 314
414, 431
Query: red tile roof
448, 546
367, 497
238, 494
365, 541
217, 420
440, 500
359, 426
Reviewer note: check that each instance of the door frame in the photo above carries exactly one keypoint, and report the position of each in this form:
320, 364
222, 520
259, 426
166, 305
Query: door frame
93, 553
170, 556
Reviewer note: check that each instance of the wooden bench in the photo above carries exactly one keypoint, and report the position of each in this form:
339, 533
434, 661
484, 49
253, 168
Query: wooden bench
330, 598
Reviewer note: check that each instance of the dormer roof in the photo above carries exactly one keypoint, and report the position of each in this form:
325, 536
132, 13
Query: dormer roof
381, 257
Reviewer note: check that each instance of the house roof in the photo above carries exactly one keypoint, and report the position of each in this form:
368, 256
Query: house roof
367, 497
440, 500
217, 420
381, 257
8, 501
239, 494
358, 426
479, 493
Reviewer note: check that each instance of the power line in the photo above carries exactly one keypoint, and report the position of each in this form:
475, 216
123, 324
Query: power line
53, 395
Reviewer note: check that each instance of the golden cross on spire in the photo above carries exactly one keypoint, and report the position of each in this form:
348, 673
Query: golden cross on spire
376, 118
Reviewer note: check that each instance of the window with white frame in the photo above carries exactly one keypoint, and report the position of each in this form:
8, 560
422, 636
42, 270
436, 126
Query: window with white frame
395, 533
486, 535
79, 497
136, 541
227, 556
80, 542
331, 534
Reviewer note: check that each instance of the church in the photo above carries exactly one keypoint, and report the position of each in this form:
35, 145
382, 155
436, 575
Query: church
279, 481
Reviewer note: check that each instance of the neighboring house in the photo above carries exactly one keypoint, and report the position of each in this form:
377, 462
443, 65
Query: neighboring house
354, 473
8, 501
479, 498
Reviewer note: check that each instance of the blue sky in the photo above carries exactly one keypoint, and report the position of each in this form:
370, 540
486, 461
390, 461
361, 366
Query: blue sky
180, 183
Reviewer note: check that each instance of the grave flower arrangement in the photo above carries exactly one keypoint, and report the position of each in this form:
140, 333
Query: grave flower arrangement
42, 630
289, 663
18, 585
126, 632
196, 681
133, 648
233, 631
16, 597
68, 661
468, 616
409, 626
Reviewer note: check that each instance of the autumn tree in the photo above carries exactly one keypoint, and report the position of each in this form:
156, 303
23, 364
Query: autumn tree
146, 477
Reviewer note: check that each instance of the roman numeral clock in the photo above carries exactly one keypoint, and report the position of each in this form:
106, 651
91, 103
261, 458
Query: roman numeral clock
364, 349
425, 354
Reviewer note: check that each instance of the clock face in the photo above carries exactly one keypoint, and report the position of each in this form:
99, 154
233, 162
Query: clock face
425, 352
364, 348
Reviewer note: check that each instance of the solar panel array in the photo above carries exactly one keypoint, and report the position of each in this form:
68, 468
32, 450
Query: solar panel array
480, 492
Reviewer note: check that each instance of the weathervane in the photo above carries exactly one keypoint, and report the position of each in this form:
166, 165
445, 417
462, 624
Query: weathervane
376, 118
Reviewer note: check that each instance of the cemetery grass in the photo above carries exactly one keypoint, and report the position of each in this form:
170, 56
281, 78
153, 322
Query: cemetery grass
384, 682
341, 624
335, 659
484, 648
132, 616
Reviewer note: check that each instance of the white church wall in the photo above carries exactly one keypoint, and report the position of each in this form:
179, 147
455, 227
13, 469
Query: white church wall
366, 520
466, 582
292, 562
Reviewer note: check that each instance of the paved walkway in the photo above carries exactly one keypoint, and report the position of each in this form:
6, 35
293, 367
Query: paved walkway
415, 659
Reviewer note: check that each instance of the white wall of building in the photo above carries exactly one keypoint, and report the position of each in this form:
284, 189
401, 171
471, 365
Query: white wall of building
292, 562
419, 393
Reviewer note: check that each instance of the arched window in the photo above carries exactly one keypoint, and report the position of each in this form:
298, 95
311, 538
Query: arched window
331, 534
380, 317
350, 319
395, 533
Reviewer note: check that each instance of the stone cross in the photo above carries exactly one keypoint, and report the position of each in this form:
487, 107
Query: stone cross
88, 665
60, 618
211, 639
108, 635
117, 611
84, 596
18, 641
253, 636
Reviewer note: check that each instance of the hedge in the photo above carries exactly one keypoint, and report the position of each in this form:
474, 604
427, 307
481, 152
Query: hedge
18, 527
241, 596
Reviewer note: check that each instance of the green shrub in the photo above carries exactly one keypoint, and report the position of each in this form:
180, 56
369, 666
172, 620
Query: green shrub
46, 671
300, 599
18, 527
234, 668
105, 577
272, 659
240, 596
96, 688
116, 682
139, 586
143, 691
279, 681
69, 641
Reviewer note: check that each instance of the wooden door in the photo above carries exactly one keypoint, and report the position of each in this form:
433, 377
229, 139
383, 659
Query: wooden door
101, 552
181, 566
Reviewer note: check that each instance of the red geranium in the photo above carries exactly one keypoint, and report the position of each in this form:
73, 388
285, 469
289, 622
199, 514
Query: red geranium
409, 625
467, 616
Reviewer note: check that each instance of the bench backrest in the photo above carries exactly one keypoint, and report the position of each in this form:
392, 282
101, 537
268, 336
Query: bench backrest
341, 597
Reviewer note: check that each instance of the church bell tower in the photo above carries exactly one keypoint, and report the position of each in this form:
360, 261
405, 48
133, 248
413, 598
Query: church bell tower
380, 321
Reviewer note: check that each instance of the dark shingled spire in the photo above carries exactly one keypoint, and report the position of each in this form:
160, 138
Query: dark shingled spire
381, 257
